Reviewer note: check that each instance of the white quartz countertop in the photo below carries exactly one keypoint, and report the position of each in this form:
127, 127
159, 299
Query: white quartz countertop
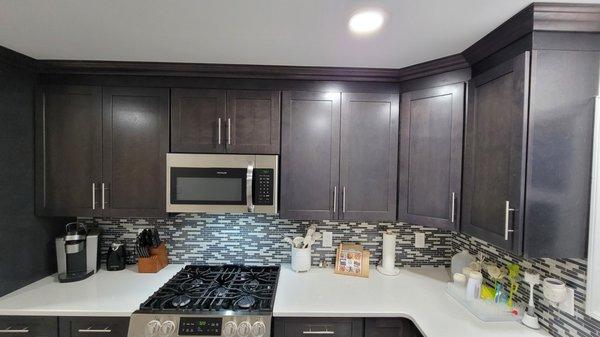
107, 293
416, 293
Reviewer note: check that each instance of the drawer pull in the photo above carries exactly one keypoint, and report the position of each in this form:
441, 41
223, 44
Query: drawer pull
323, 332
90, 330
10, 330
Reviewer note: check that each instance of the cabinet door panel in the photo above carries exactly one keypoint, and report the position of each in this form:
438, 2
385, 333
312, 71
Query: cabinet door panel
253, 121
494, 158
135, 146
368, 157
310, 155
198, 120
306, 326
431, 156
69, 150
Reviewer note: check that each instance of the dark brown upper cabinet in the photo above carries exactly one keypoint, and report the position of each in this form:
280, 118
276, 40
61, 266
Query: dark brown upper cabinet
310, 150
253, 119
339, 156
68, 150
198, 120
368, 157
431, 138
101, 151
496, 127
220, 121
136, 142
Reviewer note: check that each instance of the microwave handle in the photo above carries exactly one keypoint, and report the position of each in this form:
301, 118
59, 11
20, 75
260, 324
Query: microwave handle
249, 186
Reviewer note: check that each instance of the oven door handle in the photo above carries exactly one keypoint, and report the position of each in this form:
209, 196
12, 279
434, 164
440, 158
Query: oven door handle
249, 186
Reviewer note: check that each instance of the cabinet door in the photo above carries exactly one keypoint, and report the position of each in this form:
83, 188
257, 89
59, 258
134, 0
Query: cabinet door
310, 155
305, 326
369, 157
68, 150
93, 326
431, 122
136, 141
253, 121
493, 187
28, 326
198, 120
390, 327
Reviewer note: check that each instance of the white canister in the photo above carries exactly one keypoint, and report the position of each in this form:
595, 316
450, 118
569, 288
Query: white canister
301, 259
474, 286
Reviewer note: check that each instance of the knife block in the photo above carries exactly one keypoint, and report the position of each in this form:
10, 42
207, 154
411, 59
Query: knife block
158, 260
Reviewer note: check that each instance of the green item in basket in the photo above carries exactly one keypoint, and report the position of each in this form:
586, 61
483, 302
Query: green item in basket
487, 293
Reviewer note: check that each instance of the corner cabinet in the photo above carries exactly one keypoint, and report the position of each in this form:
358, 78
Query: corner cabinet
431, 138
101, 151
339, 156
225, 121
528, 143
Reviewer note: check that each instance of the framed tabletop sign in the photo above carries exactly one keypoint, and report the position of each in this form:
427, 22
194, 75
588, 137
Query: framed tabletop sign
352, 260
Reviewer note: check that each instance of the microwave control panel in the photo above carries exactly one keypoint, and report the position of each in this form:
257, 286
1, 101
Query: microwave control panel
263, 187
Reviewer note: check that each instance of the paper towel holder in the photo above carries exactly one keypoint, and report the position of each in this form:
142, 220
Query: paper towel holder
389, 271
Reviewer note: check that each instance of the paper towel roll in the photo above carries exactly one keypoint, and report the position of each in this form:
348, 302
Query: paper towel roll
388, 261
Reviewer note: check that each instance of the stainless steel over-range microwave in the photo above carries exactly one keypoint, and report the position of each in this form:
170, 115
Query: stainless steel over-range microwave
221, 183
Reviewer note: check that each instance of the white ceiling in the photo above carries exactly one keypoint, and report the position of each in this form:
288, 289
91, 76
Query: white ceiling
275, 32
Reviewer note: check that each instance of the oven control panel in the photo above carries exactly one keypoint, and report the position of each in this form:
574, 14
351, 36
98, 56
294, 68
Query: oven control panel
201, 326
157, 325
262, 186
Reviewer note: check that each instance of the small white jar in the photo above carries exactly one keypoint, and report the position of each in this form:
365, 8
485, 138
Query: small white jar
474, 286
301, 259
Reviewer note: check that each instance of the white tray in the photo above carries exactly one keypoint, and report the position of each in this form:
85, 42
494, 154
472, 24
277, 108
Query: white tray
486, 311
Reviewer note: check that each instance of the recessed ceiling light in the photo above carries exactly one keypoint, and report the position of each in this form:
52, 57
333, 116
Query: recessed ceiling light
366, 21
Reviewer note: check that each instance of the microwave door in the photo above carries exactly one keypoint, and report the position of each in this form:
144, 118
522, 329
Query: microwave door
208, 186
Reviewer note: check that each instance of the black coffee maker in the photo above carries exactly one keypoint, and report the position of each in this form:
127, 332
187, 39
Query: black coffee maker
77, 252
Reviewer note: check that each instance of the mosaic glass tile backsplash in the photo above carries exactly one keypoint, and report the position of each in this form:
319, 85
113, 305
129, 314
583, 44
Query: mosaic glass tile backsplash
257, 239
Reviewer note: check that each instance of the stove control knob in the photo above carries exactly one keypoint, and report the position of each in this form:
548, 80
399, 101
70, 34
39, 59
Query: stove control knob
230, 329
152, 328
244, 329
167, 328
259, 329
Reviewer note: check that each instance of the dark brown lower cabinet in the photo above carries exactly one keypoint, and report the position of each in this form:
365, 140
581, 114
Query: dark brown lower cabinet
93, 326
390, 327
29, 326
303, 326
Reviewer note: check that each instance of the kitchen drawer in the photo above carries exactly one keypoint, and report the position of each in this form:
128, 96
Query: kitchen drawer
390, 327
93, 326
307, 327
26, 326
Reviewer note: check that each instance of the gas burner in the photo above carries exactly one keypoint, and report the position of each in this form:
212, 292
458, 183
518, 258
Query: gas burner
181, 300
251, 285
245, 302
197, 289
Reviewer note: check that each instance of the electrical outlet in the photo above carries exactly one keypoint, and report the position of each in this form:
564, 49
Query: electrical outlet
568, 305
419, 240
327, 239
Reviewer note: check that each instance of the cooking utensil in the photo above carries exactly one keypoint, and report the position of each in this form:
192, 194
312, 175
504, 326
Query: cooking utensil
298, 241
309, 233
288, 240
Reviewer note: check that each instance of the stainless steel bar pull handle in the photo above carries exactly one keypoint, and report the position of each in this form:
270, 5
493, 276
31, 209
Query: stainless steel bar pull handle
219, 131
344, 199
93, 196
249, 186
90, 330
11, 330
507, 211
334, 199
452, 211
228, 131
104, 189
320, 332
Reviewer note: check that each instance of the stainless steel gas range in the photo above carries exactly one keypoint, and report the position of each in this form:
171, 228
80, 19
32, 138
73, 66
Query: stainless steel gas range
229, 300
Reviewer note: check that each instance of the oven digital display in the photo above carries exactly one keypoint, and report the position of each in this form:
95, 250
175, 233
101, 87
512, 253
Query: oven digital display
197, 326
